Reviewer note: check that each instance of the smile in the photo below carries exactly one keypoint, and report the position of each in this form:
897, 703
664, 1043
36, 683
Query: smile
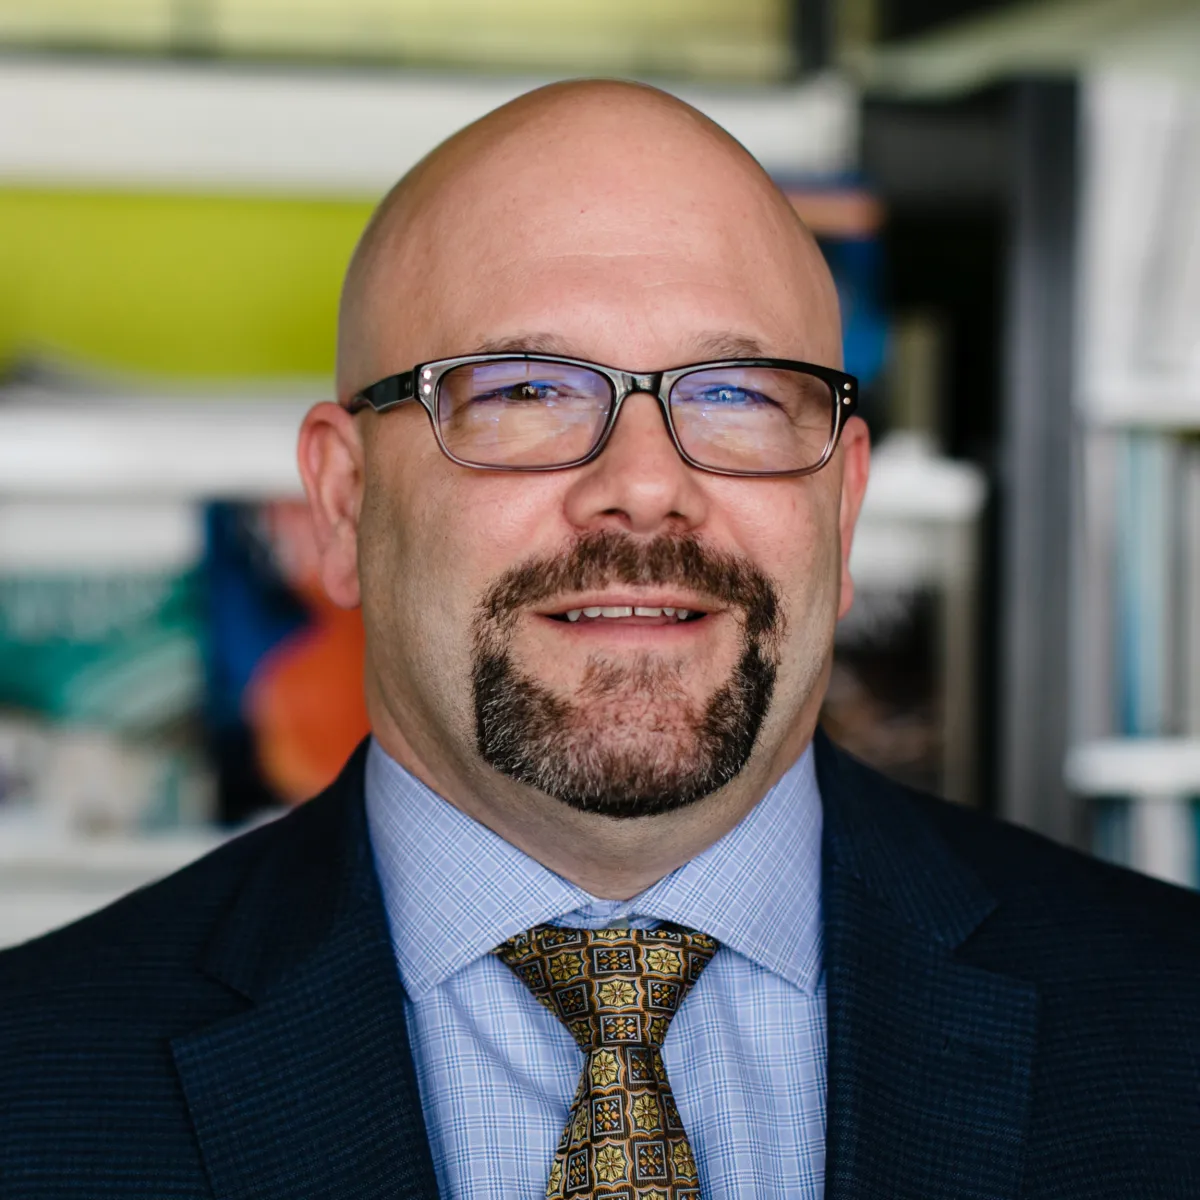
619, 611
624, 612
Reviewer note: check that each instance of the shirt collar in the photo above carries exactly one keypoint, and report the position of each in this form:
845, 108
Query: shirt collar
454, 890
758, 889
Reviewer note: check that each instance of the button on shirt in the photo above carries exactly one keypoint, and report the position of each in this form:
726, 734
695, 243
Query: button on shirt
497, 1072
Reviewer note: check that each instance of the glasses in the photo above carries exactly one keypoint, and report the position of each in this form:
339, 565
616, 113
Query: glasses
537, 412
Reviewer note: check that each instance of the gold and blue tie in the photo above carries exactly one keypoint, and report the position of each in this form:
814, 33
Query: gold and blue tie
616, 990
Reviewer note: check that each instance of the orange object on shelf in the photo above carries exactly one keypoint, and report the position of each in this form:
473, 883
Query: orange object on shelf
305, 701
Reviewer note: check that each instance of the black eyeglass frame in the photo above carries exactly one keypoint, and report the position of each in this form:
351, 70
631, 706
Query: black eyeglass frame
400, 389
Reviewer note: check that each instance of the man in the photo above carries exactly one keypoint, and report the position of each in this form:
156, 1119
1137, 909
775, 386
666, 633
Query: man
593, 477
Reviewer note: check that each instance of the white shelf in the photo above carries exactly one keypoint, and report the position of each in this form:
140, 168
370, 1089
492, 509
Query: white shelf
64, 446
1167, 406
910, 484
35, 850
1135, 766
1050, 37
80, 536
918, 523
1160, 776
289, 132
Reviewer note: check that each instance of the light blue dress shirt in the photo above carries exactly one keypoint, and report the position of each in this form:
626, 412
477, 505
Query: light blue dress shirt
497, 1072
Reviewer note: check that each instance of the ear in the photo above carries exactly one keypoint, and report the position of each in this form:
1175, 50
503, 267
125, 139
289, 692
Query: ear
856, 464
330, 456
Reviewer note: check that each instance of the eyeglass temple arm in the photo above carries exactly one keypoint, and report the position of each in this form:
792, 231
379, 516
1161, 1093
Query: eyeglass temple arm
387, 393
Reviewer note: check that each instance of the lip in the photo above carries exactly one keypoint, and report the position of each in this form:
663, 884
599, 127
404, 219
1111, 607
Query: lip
629, 600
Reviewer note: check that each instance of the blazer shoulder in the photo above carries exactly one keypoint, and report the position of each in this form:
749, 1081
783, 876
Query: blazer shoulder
1072, 921
161, 922
162, 928
1016, 861
90, 1015
1047, 895
171, 921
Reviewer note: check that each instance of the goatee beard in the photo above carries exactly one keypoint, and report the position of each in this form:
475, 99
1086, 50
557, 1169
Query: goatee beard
631, 742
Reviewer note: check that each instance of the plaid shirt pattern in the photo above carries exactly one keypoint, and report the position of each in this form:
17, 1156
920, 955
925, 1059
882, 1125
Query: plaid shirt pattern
498, 1072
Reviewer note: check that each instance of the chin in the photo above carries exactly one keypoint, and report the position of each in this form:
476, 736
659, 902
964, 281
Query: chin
629, 741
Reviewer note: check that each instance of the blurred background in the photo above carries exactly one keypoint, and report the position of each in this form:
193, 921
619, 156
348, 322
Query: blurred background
1008, 194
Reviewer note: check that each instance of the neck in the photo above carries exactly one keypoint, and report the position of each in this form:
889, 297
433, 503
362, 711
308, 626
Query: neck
613, 858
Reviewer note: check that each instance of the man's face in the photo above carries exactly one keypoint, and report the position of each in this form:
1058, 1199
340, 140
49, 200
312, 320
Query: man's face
479, 588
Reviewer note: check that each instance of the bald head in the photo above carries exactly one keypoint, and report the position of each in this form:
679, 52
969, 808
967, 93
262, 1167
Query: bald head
594, 187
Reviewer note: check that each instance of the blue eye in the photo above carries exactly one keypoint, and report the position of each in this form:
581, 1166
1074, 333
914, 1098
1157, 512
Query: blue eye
729, 395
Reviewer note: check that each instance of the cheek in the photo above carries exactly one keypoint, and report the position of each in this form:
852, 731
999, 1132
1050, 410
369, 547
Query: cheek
435, 539
394, 591
478, 525
400, 566
791, 532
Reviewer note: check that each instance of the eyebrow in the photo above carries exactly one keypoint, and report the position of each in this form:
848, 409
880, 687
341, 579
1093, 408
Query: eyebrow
703, 346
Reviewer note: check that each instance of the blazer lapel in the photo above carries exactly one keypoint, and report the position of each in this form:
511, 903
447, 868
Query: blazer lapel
310, 1091
929, 1057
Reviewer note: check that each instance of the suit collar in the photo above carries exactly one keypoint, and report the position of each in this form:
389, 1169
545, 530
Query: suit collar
874, 833
310, 1090
930, 1058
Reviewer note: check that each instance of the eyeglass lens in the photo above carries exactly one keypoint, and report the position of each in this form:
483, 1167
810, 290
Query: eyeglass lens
518, 413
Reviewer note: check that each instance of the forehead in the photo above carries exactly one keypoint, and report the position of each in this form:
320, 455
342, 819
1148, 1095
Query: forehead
644, 250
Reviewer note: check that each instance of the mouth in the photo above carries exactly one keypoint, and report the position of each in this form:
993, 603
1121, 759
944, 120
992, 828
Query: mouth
614, 611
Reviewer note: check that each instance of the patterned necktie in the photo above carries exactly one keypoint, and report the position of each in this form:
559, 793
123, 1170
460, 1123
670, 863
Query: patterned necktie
616, 990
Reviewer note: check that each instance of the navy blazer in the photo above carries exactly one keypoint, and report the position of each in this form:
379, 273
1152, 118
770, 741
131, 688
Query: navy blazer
1006, 1019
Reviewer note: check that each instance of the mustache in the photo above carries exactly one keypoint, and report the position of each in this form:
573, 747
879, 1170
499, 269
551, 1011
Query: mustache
606, 557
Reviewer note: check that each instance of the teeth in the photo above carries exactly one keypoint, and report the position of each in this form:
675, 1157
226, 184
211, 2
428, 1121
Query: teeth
614, 611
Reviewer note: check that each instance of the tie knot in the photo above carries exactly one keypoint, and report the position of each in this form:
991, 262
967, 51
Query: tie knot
610, 987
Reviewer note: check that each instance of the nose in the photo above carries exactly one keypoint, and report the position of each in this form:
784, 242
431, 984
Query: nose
639, 482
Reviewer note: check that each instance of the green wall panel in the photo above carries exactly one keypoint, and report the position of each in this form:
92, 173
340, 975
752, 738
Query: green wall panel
201, 287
